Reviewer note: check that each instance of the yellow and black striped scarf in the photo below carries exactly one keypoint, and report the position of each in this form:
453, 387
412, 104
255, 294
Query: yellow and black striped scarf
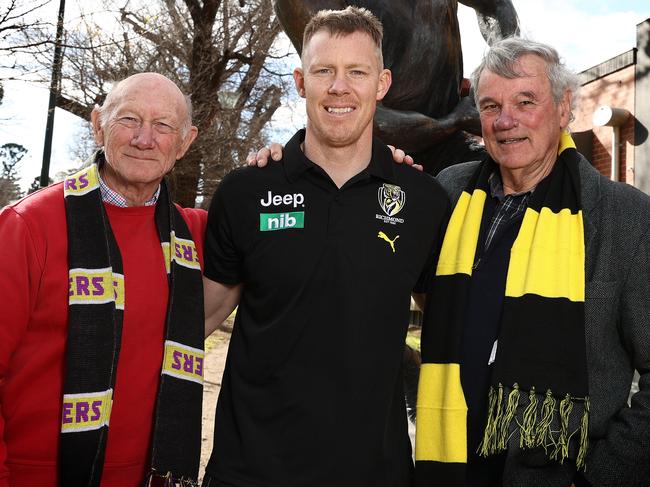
539, 395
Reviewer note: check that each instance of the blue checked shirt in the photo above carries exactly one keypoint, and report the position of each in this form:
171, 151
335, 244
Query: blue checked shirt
508, 207
115, 198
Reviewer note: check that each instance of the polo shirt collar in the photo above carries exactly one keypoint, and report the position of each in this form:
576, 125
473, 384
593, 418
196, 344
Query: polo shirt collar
295, 161
381, 164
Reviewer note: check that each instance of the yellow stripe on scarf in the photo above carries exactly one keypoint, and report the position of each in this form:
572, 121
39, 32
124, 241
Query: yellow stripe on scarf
441, 415
548, 256
459, 245
566, 142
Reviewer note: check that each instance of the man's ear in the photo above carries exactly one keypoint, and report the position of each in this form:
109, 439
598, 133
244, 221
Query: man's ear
187, 141
98, 131
385, 80
565, 109
299, 80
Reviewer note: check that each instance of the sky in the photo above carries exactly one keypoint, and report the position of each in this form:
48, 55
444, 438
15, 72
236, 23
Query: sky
585, 33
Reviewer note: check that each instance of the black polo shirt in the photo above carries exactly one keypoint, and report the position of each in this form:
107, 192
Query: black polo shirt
312, 391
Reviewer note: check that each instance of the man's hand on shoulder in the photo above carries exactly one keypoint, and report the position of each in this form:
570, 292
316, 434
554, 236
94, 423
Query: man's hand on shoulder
401, 157
261, 157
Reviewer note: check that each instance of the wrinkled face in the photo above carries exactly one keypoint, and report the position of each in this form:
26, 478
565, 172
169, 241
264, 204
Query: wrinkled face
520, 120
143, 136
342, 80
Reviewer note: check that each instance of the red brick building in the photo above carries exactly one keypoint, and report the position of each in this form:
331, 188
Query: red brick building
623, 83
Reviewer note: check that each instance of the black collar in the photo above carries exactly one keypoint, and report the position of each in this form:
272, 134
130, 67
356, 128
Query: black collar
381, 163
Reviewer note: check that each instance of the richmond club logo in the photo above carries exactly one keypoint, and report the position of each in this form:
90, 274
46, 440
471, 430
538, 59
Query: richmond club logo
391, 199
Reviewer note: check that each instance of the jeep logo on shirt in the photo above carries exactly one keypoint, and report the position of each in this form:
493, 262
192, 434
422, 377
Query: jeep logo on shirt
294, 199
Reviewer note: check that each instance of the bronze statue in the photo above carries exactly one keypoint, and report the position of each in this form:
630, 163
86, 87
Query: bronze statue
423, 113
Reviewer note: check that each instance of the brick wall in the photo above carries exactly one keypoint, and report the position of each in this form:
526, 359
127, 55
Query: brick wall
615, 90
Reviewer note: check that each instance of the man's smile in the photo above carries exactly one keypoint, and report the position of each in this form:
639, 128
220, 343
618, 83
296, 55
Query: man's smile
512, 140
339, 110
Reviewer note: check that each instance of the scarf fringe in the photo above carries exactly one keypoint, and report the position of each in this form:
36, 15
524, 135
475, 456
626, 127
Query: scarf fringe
527, 438
506, 419
487, 446
533, 432
169, 480
584, 436
561, 450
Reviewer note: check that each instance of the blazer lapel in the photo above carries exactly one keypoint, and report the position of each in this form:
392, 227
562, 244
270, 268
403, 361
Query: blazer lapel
591, 196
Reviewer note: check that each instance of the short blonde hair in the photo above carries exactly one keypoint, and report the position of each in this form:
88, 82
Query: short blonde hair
345, 22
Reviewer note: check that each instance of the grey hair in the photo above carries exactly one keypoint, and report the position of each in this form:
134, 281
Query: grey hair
108, 108
502, 57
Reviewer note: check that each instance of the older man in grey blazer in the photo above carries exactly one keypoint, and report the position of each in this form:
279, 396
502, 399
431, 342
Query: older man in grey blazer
545, 272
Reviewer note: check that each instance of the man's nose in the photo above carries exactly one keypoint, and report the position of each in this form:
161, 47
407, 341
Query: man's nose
505, 120
339, 86
143, 137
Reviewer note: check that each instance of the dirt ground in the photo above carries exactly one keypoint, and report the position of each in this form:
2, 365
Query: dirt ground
216, 347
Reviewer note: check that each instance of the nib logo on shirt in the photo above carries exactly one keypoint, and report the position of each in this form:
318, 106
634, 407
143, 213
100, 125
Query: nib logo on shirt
282, 221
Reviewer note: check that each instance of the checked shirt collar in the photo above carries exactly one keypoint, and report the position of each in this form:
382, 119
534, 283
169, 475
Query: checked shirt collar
114, 198
508, 206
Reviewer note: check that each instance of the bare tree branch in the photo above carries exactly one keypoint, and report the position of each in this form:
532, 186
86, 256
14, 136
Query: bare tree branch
17, 21
221, 52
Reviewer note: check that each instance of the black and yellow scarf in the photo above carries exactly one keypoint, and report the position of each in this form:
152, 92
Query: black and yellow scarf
96, 307
539, 392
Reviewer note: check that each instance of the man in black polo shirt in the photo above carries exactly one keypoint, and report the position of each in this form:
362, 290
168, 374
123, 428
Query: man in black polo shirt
323, 251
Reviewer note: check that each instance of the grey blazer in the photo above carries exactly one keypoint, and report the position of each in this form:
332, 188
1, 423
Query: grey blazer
617, 309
